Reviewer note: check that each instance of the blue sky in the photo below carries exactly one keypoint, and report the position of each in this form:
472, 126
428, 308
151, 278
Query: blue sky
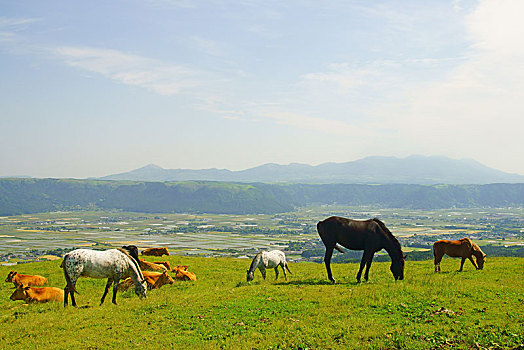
100, 87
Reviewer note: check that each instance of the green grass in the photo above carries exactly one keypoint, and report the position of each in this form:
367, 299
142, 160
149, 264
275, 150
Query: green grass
449, 310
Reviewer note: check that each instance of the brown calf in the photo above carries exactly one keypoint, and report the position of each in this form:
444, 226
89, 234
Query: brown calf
155, 251
37, 295
154, 280
182, 273
147, 266
27, 280
165, 263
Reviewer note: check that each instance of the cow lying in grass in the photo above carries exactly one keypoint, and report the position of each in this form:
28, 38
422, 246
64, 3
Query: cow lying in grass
154, 280
37, 294
147, 266
164, 263
155, 251
182, 273
27, 280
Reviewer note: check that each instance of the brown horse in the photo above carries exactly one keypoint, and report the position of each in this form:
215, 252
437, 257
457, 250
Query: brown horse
370, 236
463, 248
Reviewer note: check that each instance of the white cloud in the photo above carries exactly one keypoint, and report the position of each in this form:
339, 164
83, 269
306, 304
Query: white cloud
476, 109
16, 22
129, 69
327, 126
339, 76
209, 47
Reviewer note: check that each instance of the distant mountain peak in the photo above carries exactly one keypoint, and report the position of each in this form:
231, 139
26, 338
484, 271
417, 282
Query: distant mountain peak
414, 169
151, 167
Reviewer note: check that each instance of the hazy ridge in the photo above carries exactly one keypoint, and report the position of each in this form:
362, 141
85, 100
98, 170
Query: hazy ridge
370, 170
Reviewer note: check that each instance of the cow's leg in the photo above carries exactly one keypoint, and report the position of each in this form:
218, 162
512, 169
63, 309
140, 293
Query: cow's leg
462, 263
327, 261
108, 284
368, 265
473, 262
365, 257
115, 289
276, 272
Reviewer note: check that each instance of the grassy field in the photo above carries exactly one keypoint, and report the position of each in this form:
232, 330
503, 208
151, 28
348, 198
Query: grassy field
450, 310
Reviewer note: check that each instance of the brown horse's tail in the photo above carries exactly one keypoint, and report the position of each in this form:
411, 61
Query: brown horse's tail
70, 285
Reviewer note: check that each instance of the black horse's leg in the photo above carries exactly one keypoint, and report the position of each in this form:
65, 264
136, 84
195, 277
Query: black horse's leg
115, 289
276, 273
327, 261
462, 263
368, 254
473, 262
368, 265
108, 284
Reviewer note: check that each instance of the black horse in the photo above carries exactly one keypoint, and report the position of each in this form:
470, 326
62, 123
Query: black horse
132, 250
370, 236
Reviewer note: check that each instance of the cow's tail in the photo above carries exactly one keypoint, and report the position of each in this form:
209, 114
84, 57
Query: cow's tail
70, 285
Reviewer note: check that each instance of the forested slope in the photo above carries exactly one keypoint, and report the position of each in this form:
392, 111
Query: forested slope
18, 196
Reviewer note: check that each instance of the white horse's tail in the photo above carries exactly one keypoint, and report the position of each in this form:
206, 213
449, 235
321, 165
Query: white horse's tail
287, 267
70, 285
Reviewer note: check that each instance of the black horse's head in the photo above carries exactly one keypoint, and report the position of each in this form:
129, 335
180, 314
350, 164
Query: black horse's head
397, 267
132, 250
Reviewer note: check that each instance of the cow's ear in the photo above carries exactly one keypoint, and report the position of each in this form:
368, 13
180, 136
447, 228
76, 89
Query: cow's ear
27, 288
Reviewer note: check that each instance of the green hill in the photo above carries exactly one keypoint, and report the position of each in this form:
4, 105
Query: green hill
20, 196
450, 310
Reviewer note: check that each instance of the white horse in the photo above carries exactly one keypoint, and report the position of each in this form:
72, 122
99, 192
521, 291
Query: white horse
113, 264
271, 259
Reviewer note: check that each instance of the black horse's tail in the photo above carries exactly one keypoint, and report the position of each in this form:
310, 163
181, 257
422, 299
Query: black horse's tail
321, 228
70, 285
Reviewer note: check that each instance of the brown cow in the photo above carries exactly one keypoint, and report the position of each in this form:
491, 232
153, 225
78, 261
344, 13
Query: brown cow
463, 248
165, 263
182, 273
28, 280
155, 251
147, 266
37, 295
154, 280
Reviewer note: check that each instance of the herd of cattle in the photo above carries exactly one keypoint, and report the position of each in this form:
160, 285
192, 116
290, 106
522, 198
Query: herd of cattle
155, 273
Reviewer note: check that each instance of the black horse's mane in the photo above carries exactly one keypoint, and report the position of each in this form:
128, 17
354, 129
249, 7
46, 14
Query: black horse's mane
390, 235
132, 252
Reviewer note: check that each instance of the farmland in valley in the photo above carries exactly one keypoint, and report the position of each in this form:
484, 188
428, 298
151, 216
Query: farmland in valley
24, 237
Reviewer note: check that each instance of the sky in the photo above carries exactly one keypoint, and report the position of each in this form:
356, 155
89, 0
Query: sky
92, 88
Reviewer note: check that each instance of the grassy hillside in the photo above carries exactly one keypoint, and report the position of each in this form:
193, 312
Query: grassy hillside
20, 196
450, 310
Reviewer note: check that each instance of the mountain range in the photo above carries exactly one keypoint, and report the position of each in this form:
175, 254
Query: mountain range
414, 169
